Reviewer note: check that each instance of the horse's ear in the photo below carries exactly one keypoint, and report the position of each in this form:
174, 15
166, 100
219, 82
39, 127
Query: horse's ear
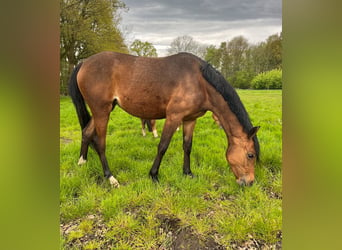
253, 132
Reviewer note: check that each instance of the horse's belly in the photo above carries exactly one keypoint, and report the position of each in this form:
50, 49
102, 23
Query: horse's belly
143, 108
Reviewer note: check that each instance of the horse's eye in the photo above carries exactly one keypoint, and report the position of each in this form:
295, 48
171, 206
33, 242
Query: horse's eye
250, 155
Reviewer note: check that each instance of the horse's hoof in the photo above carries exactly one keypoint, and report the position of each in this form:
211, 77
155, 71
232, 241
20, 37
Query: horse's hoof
189, 174
114, 182
81, 161
155, 178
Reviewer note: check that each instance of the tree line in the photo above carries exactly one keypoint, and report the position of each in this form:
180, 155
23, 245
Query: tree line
88, 27
238, 60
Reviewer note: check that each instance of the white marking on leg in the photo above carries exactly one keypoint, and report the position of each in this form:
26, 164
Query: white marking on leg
143, 132
114, 182
155, 133
81, 161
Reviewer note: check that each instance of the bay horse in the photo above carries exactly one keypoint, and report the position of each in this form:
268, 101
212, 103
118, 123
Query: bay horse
151, 126
180, 88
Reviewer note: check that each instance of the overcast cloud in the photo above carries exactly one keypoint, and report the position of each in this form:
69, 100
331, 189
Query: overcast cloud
207, 21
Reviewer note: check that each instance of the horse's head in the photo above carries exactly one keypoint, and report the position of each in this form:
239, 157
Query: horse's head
241, 156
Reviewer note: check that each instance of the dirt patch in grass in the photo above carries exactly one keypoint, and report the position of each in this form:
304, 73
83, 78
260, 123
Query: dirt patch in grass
78, 237
183, 237
252, 243
90, 233
272, 194
65, 140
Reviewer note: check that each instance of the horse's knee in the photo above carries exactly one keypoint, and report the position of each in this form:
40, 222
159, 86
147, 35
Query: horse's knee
162, 149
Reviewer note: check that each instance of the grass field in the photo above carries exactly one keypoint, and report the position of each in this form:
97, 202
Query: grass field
209, 211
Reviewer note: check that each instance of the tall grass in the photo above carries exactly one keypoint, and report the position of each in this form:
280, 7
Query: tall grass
140, 213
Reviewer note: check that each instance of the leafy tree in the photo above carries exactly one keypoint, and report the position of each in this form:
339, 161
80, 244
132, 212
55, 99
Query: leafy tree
258, 60
234, 59
267, 55
213, 56
273, 51
225, 60
237, 48
146, 49
187, 44
87, 27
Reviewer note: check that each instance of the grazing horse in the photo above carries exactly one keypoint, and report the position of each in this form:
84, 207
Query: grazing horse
180, 88
151, 125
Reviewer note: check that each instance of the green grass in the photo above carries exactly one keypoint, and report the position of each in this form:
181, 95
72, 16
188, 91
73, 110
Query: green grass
140, 213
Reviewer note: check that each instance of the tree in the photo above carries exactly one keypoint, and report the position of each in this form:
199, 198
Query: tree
213, 56
187, 44
146, 49
225, 59
273, 49
237, 48
234, 61
87, 27
267, 55
259, 63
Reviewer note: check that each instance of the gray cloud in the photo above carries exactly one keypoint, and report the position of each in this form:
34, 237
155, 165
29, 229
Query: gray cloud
208, 21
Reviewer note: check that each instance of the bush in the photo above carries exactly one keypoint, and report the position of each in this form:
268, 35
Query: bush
242, 79
268, 80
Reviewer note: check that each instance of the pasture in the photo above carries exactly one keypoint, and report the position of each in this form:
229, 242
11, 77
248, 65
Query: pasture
209, 211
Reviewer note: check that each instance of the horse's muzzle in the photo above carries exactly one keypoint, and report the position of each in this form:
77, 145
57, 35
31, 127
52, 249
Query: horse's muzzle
244, 182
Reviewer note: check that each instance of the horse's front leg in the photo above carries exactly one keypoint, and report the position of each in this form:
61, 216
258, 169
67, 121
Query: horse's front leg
188, 129
169, 129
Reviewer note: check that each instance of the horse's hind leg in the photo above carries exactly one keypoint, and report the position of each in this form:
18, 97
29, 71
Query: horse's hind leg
99, 140
168, 130
87, 136
154, 128
143, 127
188, 128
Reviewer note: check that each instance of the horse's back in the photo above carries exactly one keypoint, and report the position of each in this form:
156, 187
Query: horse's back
142, 86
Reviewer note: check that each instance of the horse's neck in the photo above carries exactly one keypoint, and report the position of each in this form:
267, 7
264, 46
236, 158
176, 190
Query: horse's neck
231, 126
228, 120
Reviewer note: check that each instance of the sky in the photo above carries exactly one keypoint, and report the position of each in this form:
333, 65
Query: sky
209, 22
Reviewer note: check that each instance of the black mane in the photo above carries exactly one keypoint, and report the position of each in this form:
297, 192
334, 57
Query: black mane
231, 97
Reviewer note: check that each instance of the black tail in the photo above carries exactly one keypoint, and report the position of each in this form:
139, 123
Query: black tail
77, 98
